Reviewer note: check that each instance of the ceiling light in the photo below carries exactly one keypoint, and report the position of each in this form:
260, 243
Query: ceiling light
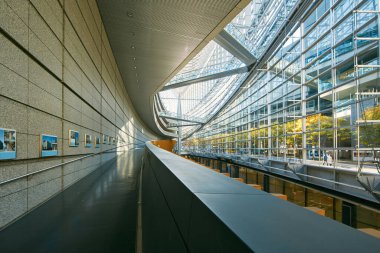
133, 46
129, 14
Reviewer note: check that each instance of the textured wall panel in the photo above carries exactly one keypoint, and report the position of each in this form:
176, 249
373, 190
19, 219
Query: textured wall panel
57, 73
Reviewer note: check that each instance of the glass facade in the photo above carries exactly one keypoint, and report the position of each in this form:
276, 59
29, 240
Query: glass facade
317, 97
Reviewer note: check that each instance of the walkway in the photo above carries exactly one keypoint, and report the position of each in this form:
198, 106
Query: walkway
97, 214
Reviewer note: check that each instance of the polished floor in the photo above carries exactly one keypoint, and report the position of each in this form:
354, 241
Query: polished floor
97, 214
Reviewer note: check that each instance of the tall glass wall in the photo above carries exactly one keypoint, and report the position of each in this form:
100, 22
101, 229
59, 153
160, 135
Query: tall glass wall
317, 97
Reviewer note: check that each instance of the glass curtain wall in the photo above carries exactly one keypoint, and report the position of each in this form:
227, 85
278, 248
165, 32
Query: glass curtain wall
317, 97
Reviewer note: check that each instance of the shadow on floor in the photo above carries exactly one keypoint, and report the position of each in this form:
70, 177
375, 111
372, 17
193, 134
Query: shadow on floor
97, 214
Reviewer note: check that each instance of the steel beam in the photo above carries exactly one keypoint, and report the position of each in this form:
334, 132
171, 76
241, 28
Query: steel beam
179, 119
225, 40
207, 78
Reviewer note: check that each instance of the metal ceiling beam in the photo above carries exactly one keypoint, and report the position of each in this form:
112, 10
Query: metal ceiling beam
207, 78
162, 115
171, 125
225, 40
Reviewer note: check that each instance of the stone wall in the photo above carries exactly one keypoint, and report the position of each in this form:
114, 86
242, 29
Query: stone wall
58, 72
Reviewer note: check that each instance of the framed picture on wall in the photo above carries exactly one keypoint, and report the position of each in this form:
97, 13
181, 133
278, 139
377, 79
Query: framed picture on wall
7, 144
49, 145
73, 138
97, 142
105, 139
88, 141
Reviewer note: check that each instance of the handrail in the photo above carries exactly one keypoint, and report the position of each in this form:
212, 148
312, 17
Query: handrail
297, 173
319, 178
176, 184
57, 165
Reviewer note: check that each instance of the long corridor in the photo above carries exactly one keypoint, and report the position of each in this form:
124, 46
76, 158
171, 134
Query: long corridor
97, 214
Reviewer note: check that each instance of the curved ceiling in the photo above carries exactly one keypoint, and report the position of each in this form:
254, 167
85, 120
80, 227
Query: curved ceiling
153, 40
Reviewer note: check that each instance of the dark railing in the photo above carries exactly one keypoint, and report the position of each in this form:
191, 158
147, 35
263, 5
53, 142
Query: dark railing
189, 208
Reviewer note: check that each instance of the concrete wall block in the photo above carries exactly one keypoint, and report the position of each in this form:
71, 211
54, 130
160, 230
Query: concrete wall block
119, 112
13, 187
13, 58
74, 150
73, 13
56, 8
107, 46
13, 20
52, 14
106, 61
42, 164
71, 81
18, 121
71, 167
91, 24
90, 69
76, 17
41, 99
69, 179
97, 118
106, 94
44, 80
96, 80
71, 114
93, 52
87, 110
95, 12
43, 123
38, 26
44, 180
34, 146
97, 128
13, 85
92, 89
11, 171
45, 55
72, 99
87, 122
87, 96
12, 206
119, 100
72, 42
20, 8
108, 82
89, 101
42, 192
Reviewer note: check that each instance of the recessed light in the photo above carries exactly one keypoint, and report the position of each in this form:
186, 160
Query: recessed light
130, 14
135, 67
134, 58
133, 46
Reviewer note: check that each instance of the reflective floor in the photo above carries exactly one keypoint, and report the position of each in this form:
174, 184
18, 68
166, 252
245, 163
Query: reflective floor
97, 214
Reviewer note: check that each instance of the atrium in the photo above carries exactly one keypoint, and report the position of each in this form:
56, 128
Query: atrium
189, 126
